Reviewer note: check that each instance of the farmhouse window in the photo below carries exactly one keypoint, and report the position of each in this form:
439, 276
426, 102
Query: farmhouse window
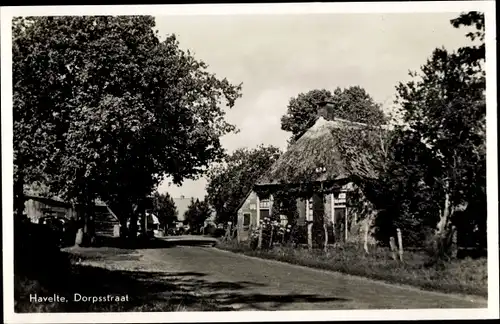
264, 204
246, 219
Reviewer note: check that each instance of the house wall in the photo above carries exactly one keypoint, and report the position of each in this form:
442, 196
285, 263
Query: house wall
359, 219
104, 221
249, 206
337, 216
35, 209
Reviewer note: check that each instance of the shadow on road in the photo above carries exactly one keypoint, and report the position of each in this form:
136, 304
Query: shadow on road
155, 243
153, 291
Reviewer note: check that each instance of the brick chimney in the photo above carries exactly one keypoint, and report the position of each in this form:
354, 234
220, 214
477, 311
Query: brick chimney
325, 110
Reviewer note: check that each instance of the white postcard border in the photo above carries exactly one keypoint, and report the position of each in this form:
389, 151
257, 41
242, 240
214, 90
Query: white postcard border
488, 7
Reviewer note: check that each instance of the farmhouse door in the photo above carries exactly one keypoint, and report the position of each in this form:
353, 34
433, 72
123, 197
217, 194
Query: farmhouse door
264, 213
318, 212
339, 229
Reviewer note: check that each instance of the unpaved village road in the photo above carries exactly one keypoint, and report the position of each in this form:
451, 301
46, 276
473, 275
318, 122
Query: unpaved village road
246, 283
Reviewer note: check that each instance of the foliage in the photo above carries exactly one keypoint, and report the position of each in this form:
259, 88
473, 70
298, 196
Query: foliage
444, 108
438, 151
196, 214
230, 182
102, 108
352, 103
404, 200
164, 208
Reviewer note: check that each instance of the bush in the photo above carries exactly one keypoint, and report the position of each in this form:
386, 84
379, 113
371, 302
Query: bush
215, 231
36, 250
299, 234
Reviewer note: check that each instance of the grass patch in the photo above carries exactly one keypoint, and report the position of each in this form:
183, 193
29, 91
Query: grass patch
466, 276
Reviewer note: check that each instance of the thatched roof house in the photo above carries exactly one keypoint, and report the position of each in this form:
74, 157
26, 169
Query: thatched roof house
334, 151
323, 167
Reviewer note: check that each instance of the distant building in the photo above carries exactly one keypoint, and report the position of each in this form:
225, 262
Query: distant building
182, 203
37, 207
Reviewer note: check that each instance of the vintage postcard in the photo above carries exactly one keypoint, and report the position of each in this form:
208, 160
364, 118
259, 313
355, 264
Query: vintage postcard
249, 162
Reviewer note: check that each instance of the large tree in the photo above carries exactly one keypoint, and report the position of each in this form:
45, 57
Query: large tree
103, 108
352, 103
163, 206
433, 165
196, 214
230, 182
444, 108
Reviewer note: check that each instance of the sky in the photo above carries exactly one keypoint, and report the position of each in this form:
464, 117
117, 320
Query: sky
276, 57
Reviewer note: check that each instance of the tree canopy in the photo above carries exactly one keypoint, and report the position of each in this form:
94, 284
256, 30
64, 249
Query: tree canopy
438, 158
164, 208
352, 103
230, 182
197, 213
434, 163
445, 106
103, 108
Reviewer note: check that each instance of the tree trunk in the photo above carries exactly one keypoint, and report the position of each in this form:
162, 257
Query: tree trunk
445, 230
259, 244
234, 231
123, 226
444, 216
309, 235
271, 237
89, 222
84, 233
79, 237
400, 243
141, 215
367, 230
325, 228
132, 234
19, 198
228, 232
454, 243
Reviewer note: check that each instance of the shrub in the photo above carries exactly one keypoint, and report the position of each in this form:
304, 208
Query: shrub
37, 251
299, 234
216, 231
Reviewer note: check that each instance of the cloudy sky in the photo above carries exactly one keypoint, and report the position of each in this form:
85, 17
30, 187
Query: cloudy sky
277, 57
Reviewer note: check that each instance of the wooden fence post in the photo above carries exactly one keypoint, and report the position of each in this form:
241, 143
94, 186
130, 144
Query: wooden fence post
392, 243
454, 242
259, 244
367, 229
400, 243
309, 235
228, 232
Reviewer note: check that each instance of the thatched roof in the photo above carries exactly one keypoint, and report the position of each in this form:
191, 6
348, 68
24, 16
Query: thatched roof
319, 147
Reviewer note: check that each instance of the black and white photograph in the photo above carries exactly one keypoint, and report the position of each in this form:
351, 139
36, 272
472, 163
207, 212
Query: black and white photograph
244, 162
